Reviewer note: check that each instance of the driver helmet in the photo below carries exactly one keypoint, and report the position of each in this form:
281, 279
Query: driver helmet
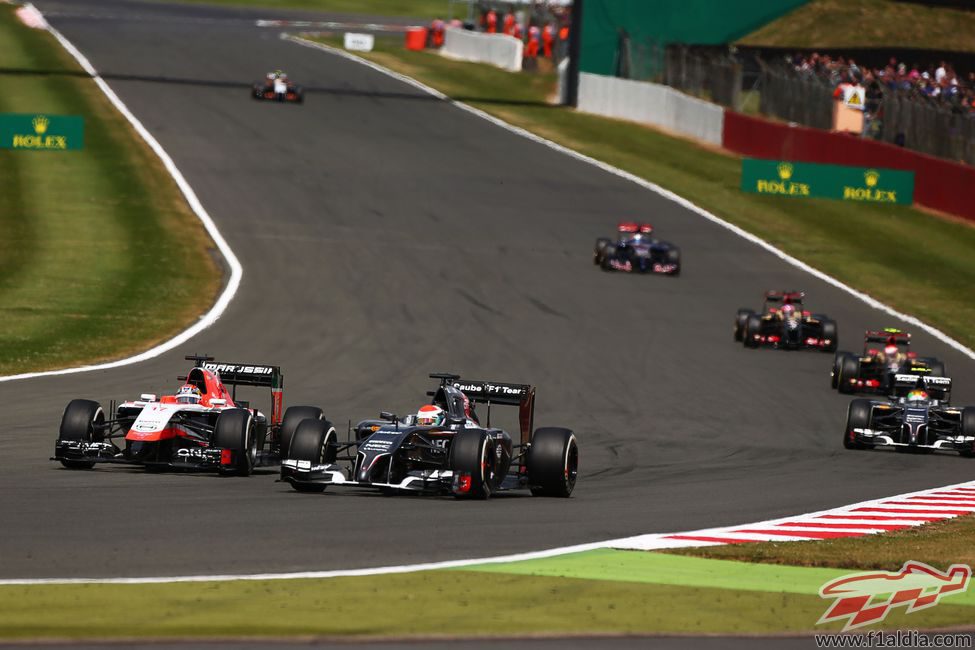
270, 76
917, 396
891, 350
788, 310
429, 415
189, 394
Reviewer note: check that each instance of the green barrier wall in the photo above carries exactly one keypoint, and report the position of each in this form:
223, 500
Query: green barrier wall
698, 22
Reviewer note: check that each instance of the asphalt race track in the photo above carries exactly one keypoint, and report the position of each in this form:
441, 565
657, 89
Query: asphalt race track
385, 235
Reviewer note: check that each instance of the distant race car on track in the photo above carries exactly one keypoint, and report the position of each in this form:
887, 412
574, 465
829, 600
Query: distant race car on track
202, 426
784, 323
636, 251
276, 86
918, 417
885, 353
443, 449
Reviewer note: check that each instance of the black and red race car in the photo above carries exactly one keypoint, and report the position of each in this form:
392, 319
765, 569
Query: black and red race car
886, 354
636, 251
277, 87
455, 455
201, 426
785, 323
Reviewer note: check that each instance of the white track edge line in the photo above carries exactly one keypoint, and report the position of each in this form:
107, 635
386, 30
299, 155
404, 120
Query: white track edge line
637, 542
236, 271
653, 187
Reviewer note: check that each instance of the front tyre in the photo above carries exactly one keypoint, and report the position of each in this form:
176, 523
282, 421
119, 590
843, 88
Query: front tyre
849, 374
235, 432
83, 421
553, 462
857, 417
830, 332
473, 460
314, 441
740, 319
753, 329
292, 418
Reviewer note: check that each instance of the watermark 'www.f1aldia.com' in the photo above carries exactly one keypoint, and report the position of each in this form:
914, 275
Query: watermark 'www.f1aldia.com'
866, 598
894, 639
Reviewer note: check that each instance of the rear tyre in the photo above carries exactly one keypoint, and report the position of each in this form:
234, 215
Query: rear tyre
235, 431
830, 332
292, 418
553, 462
968, 429
741, 318
857, 417
83, 421
849, 370
473, 454
316, 442
753, 326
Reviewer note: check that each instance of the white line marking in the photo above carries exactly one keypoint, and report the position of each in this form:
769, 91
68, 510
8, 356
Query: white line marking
236, 271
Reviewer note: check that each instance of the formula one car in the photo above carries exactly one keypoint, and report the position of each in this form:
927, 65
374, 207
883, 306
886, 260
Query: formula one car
784, 323
449, 453
886, 353
918, 417
635, 251
277, 87
202, 426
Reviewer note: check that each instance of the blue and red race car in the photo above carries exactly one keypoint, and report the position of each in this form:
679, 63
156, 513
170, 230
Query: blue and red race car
636, 251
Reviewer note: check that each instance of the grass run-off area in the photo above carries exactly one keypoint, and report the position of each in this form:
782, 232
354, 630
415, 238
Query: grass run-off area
869, 23
601, 591
861, 244
99, 254
425, 9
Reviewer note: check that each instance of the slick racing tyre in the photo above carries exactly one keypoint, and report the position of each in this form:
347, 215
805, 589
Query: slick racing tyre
83, 421
753, 327
316, 442
235, 431
473, 459
553, 462
834, 375
597, 252
673, 257
968, 429
849, 370
292, 418
857, 417
830, 332
741, 318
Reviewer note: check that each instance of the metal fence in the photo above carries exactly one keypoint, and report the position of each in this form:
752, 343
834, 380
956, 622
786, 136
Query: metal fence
918, 124
804, 100
715, 77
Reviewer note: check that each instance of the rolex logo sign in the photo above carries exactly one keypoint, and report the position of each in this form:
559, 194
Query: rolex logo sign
870, 177
821, 181
785, 171
40, 124
41, 132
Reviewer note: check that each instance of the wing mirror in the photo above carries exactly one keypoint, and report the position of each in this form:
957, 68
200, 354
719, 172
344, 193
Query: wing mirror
218, 402
386, 415
147, 397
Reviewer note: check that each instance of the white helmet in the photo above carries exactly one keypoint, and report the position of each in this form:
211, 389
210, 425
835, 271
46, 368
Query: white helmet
189, 394
429, 415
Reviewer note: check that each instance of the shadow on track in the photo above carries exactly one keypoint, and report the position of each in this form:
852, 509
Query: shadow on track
314, 90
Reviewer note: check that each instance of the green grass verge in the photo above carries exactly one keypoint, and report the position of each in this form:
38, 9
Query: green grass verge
99, 254
408, 8
588, 593
869, 23
863, 245
938, 544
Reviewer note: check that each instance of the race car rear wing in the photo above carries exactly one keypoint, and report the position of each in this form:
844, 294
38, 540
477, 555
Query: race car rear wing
938, 388
496, 392
247, 374
889, 334
776, 297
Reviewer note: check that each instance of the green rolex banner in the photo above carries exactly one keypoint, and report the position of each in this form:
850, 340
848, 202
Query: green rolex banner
40, 132
782, 178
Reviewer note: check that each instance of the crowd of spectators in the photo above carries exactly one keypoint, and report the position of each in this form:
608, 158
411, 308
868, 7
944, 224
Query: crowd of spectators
938, 84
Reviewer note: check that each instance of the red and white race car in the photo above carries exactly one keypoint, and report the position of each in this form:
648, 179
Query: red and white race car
201, 426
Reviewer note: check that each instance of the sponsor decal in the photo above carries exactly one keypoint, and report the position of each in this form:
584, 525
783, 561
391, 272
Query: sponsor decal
239, 369
865, 598
838, 182
41, 132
